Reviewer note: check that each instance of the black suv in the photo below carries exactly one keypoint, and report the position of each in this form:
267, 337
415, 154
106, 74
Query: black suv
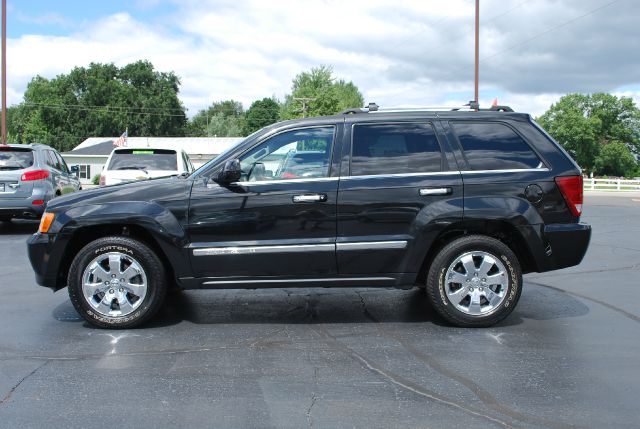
461, 203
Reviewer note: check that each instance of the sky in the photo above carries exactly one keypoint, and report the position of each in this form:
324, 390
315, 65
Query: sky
398, 53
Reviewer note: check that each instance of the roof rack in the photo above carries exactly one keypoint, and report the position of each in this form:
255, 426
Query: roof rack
471, 106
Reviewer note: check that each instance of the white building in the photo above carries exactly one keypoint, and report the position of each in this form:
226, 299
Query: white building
91, 155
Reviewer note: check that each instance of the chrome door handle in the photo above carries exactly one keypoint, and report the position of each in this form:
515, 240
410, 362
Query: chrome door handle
310, 198
435, 191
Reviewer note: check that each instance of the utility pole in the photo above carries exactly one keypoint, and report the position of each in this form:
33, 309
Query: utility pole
477, 62
305, 105
4, 72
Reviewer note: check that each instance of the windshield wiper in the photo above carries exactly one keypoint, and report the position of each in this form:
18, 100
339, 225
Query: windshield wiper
133, 167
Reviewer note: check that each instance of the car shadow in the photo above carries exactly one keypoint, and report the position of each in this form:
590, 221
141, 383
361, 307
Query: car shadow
19, 227
327, 306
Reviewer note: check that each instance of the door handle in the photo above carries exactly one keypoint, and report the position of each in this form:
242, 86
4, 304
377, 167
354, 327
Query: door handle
310, 198
435, 191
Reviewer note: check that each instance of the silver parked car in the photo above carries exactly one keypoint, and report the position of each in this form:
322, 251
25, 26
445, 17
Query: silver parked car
30, 176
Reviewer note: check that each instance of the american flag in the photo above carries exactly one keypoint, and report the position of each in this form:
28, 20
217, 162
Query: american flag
121, 141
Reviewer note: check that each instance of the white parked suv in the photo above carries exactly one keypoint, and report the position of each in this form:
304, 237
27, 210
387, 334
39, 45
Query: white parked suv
128, 164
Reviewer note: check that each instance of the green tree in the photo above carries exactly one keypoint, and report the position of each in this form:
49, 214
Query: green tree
261, 113
586, 124
615, 159
316, 93
221, 119
100, 100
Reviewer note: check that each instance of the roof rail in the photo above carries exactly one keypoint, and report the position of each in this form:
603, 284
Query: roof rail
471, 106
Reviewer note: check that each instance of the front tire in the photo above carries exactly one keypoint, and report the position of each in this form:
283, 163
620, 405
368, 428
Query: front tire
117, 282
474, 281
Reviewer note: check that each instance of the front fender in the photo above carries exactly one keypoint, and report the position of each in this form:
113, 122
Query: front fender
158, 221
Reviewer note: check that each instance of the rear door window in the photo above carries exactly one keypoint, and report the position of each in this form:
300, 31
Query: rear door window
494, 146
15, 158
395, 149
52, 160
61, 162
144, 159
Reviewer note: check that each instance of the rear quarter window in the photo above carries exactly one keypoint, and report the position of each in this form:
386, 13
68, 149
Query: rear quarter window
15, 158
494, 146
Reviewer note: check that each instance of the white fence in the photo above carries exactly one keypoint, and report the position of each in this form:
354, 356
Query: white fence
611, 185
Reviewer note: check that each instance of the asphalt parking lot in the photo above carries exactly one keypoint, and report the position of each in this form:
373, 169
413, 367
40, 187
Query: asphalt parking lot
569, 355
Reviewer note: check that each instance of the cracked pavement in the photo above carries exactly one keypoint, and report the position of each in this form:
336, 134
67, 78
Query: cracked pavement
355, 357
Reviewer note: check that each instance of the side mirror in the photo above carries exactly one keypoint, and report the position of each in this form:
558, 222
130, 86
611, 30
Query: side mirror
231, 172
75, 169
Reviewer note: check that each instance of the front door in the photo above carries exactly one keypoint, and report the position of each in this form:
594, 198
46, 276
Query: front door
278, 220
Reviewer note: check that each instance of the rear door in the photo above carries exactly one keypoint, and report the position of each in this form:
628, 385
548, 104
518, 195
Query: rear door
398, 190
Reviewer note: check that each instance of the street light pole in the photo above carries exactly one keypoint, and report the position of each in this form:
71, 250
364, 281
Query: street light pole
477, 61
4, 72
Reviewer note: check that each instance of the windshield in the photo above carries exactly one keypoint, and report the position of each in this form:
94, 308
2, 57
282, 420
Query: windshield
12, 158
144, 159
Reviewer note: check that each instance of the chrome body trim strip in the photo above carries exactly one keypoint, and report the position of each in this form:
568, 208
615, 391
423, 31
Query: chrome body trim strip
371, 245
273, 182
298, 248
513, 170
253, 250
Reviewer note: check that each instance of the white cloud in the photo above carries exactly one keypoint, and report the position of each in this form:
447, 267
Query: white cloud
398, 53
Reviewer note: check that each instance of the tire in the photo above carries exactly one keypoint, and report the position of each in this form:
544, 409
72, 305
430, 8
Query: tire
126, 300
488, 286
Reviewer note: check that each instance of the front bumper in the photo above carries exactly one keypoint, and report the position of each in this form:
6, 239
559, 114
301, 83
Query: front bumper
46, 256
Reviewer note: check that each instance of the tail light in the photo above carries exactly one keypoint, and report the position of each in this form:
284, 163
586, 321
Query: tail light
35, 175
102, 180
571, 189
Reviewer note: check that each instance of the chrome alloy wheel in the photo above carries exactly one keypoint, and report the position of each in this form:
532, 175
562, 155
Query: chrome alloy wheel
476, 283
114, 284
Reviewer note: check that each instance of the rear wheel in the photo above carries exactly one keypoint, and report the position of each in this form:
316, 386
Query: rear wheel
117, 282
474, 281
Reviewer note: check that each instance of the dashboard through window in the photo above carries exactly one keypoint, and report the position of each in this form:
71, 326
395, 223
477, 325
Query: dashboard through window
296, 154
395, 149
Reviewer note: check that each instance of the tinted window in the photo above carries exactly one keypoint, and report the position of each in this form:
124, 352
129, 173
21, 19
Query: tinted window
15, 159
296, 154
144, 159
493, 146
394, 149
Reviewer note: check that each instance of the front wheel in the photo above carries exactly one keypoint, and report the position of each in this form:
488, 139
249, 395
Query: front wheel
474, 281
116, 282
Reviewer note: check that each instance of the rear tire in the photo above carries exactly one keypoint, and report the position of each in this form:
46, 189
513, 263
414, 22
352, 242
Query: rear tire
474, 281
117, 283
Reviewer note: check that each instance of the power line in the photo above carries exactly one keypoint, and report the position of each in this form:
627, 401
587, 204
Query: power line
103, 106
549, 30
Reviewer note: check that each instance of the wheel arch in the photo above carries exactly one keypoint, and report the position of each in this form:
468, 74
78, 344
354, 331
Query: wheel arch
499, 229
84, 235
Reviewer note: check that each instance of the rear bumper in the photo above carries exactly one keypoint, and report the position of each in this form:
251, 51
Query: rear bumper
45, 254
557, 246
23, 208
567, 243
